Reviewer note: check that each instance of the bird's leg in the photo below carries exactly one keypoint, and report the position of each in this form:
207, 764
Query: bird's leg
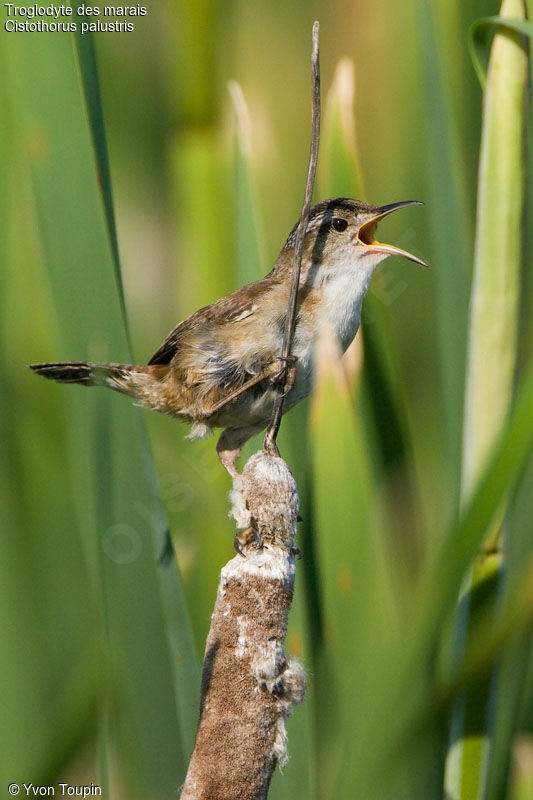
230, 444
253, 381
232, 439
272, 372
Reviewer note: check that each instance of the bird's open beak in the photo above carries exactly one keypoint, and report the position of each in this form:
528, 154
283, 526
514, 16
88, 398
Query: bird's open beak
366, 233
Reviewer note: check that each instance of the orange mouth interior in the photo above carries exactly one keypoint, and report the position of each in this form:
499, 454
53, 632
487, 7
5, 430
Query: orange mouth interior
366, 233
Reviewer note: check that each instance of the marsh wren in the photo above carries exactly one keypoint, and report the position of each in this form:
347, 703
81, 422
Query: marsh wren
219, 367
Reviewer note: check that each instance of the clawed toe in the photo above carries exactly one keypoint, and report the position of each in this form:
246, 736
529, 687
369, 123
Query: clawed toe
244, 538
285, 370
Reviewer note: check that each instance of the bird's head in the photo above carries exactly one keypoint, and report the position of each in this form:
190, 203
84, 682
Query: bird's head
340, 235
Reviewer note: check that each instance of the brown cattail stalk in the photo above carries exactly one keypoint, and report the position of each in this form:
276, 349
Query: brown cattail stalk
248, 686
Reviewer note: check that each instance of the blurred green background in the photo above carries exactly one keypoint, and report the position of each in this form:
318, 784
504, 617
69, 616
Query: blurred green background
101, 643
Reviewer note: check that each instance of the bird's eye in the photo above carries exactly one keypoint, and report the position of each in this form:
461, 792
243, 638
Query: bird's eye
339, 224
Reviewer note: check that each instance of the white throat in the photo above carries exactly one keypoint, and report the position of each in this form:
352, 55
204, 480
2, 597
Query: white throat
344, 291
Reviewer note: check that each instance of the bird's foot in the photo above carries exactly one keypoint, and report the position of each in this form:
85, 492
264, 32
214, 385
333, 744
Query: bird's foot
245, 538
288, 366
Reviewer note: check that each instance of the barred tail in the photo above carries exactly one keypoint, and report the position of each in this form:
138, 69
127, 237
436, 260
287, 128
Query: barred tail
89, 373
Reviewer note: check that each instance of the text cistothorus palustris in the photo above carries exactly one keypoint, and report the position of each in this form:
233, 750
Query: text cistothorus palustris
218, 368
